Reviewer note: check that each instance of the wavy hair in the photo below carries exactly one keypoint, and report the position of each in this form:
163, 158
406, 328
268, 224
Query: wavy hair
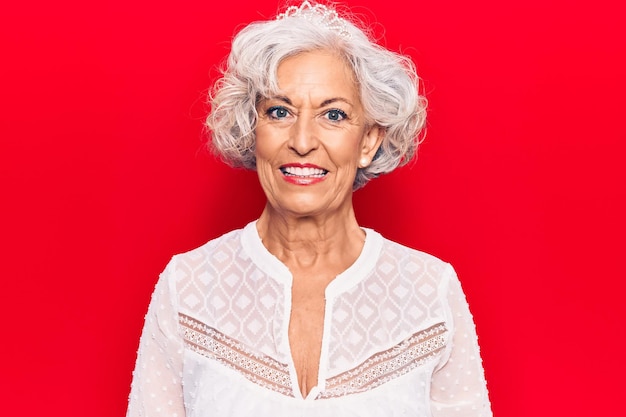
389, 87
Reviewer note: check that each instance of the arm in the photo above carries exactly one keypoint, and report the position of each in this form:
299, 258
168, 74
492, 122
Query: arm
458, 387
157, 380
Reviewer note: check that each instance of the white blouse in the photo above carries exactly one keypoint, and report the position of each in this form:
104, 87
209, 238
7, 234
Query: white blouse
399, 339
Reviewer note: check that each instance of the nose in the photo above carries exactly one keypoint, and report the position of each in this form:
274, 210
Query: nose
303, 136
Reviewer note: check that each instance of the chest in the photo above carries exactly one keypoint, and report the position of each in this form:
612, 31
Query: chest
310, 334
306, 330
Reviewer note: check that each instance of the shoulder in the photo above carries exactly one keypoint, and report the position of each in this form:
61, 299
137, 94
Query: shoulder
222, 250
190, 276
412, 263
410, 255
221, 245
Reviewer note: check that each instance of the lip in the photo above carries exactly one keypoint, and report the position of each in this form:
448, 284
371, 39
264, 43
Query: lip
303, 174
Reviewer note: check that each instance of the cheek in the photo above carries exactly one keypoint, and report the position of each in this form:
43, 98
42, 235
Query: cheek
268, 141
347, 152
264, 173
265, 152
262, 148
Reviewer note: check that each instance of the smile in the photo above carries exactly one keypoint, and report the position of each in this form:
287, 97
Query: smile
303, 174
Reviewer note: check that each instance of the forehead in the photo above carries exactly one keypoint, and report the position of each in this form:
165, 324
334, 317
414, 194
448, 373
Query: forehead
319, 72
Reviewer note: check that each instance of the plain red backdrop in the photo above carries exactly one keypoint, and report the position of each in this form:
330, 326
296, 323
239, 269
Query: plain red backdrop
520, 184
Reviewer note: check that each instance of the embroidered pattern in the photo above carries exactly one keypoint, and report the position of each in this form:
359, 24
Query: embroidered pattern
271, 374
260, 369
390, 364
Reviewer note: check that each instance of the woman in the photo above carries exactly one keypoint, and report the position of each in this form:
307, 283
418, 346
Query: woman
303, 312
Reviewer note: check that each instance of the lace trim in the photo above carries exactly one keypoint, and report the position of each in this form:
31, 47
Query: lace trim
260, 369
384, 366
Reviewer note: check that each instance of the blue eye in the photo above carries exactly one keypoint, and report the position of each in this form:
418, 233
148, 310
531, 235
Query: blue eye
336, 115
277, 112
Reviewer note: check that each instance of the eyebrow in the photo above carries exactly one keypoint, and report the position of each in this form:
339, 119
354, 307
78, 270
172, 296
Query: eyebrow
322, 104
282, 98
333, 100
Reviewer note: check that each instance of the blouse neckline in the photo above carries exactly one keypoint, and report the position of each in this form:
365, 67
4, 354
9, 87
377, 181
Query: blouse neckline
273, 267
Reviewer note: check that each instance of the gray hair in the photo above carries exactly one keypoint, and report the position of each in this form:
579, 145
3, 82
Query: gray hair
388, 82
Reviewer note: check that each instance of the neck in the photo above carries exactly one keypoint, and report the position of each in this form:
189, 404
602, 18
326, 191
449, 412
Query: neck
333, 241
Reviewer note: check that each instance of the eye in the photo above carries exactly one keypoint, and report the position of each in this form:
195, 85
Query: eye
277, 112
336, 115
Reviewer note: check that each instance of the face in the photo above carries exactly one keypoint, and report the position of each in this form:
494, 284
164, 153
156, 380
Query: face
312, 136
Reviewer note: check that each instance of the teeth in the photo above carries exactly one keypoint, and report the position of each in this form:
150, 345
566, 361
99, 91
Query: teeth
304, 172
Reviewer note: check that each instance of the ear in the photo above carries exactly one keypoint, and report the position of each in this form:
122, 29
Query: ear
372, 140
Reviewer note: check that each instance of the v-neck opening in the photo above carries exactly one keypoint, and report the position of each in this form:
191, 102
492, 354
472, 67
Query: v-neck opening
342, 282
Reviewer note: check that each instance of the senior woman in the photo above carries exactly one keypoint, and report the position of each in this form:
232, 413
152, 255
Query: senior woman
303, 312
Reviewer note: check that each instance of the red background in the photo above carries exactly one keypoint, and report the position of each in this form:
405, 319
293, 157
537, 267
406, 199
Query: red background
520, 184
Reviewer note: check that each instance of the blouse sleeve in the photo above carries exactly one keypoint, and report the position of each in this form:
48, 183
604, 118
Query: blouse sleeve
156, 389
458, 386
